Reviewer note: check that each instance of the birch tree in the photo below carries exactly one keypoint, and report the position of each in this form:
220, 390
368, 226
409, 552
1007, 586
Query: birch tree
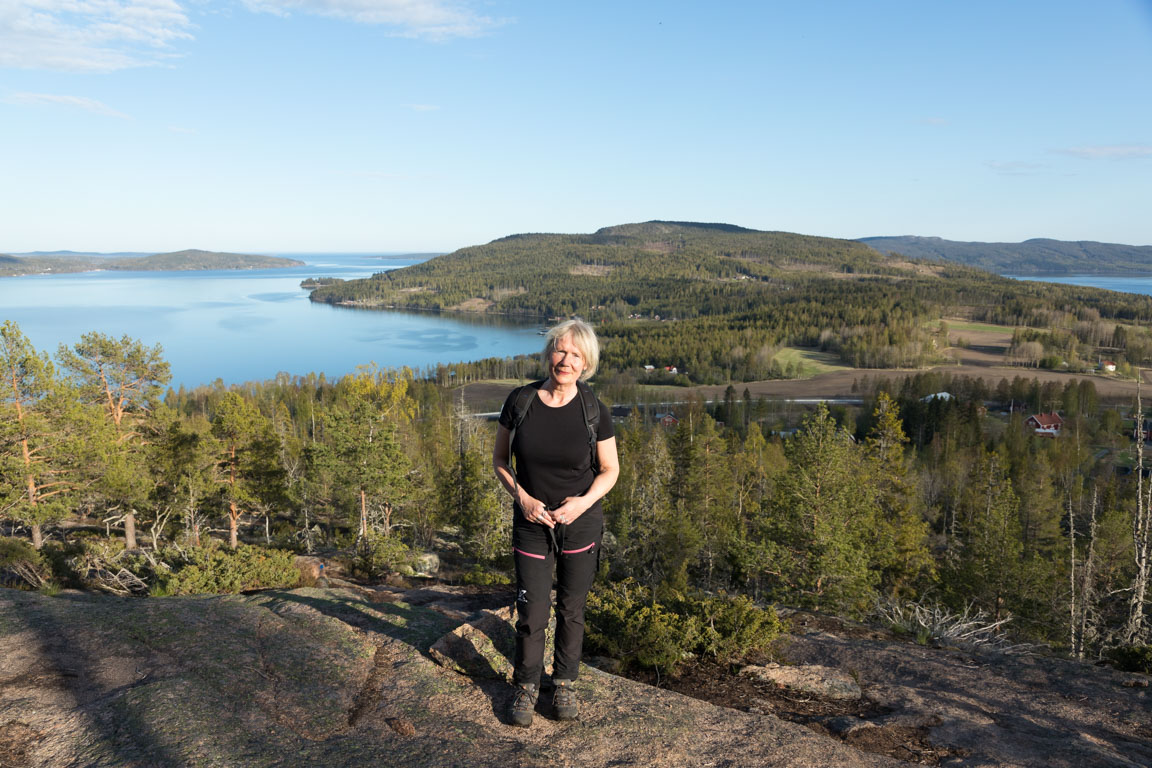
1135, 628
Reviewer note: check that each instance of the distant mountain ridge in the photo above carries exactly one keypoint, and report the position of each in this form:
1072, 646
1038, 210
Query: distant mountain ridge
84, 254
1039, 256
177, 261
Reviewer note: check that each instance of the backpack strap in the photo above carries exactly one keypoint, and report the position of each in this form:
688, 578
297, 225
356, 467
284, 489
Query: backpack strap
523, 399
591, 421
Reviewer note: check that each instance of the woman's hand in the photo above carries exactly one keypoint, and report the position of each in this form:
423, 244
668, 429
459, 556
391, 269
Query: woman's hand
568, 512
534, 511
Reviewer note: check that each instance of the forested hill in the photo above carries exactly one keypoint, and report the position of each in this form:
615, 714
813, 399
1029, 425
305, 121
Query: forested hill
1031, 257
196, 259
676, 269
177, 261
720, 301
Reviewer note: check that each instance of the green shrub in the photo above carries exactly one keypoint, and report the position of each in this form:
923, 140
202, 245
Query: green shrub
377, 556
21, 565
61, 558
214, 569
730, 627
484, 577
1133, 658
626, 622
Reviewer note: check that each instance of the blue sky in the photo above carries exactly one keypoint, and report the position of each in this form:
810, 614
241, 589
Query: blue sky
389, 125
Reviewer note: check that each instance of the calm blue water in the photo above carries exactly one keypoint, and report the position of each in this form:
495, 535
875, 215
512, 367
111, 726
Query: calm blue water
250, 325
1125, 283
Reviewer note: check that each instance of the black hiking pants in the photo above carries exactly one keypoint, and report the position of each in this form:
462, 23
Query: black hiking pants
573, 551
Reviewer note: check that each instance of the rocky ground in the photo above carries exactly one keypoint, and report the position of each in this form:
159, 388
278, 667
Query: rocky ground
354, 676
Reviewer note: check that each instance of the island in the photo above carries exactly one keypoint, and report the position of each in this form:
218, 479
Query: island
177, 261
312, 283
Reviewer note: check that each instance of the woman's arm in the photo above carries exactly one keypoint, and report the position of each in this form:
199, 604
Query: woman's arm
609, 461
532, 509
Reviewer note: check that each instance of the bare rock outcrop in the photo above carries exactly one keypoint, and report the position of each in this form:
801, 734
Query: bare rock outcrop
984, 708
325, 677
822, 681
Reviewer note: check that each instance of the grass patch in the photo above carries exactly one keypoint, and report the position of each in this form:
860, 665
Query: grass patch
959, 325
810, 362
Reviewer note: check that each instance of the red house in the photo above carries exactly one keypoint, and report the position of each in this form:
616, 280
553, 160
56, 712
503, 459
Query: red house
1046, 424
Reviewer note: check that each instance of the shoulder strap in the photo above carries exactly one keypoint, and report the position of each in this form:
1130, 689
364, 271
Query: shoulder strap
520, 406
523, 399
591, 420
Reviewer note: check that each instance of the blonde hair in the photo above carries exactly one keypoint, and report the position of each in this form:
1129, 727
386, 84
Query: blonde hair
583, 337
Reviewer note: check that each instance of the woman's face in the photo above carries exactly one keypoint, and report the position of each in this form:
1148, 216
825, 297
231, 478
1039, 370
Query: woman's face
566, 362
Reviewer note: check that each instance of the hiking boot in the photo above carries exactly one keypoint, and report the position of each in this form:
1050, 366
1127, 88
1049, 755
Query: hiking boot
523, 705
564, 702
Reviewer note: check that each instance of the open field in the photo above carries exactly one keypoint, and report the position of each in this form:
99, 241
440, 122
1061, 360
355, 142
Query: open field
839, 383
810, 362
962, 325
824, 376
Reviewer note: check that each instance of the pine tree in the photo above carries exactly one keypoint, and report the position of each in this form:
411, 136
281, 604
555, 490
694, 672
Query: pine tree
124, 378
900, 536
44, 453
470, 495
987, 569
821, 518
248, 458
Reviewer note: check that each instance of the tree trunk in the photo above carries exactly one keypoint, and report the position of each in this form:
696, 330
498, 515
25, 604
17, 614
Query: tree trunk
1134, 629
233, 515
130, 530
37, 536
1072, 615
363, 515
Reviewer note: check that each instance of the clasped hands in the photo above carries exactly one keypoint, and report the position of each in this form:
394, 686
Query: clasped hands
536, 511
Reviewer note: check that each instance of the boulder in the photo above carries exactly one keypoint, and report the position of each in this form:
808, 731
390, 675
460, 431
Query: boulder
311, 569
484, 646
426, 564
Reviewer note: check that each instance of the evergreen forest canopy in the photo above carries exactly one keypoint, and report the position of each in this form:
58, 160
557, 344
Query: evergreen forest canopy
177, 261
909, 501
719, 302
1039, 256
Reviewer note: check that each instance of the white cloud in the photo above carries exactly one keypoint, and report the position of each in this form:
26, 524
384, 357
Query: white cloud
89, 35
427, 19
1111, 152
80, 102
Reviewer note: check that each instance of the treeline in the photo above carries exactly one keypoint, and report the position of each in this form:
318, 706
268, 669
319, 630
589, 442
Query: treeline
1031, 257
718, 302
908, 499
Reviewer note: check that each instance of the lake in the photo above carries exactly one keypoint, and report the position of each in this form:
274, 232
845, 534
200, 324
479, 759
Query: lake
249, 325
1125, 283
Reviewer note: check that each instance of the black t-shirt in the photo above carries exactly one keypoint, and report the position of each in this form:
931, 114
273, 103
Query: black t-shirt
553, 461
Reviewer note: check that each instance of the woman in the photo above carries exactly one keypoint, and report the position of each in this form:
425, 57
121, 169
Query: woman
556, 489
